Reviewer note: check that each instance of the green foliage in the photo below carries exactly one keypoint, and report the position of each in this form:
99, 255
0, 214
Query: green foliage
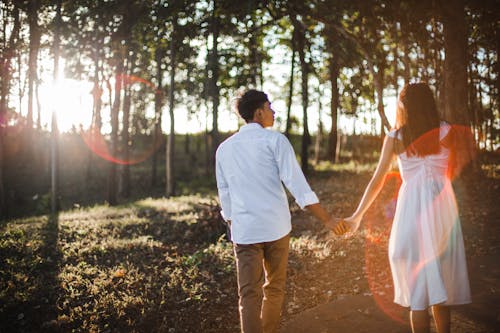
368, 42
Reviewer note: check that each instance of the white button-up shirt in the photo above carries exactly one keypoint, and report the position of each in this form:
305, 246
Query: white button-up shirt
250, 168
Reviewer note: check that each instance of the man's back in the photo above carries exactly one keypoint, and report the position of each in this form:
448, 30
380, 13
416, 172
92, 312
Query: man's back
250, 167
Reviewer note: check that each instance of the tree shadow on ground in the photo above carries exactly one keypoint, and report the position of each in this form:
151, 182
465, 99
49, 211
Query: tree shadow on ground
146, 270
29, 277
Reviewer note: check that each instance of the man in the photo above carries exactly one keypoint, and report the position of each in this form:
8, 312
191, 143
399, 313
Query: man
250, 168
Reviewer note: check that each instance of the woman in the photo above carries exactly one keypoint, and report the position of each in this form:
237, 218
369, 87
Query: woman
426, 250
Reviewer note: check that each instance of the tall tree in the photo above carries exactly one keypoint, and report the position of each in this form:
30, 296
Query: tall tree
35, 35
455, 75
302, 48
213, 72
7, 53
170, 147
342, 53
159, 54
115, 109
54, 158
293, 46
334, 106
127, 104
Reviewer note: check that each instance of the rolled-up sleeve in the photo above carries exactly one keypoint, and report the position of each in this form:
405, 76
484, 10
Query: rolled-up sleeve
223, 190
291, 174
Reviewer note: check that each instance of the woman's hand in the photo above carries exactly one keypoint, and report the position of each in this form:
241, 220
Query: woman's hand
353, 223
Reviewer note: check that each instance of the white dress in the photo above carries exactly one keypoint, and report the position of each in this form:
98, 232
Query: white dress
426, 249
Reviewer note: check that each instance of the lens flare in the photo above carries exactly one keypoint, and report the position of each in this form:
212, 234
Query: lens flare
97, 142
459, 140
377, 234
460, 144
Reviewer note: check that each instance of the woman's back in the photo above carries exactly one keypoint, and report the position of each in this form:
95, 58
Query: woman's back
429, 166
426, 247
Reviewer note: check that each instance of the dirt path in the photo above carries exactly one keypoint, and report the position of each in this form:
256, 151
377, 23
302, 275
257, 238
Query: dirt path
345, 286
363, 314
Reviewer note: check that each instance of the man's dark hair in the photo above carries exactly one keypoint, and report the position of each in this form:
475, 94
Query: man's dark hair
250, 101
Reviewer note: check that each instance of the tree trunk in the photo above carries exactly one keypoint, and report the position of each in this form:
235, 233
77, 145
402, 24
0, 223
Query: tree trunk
334, 105
214, 89
170, 147
481, 119
489, 131
496, 82
187, 144
378, 80
406, 58
208, 143
472, 102
306, 137
158, 106
127, 101
32, 154
455, 77
489, 126
396, 59
33, 6
54, 144
254, 63
5, 70
38, 105
319, 134
3, 199
290, 88
455, 64
112, 176
95, 126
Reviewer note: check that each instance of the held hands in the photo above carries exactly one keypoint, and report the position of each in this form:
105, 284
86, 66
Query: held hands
343, 226
353, 222
339, 227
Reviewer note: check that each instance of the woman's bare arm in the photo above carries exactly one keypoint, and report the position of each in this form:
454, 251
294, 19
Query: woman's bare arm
375, 185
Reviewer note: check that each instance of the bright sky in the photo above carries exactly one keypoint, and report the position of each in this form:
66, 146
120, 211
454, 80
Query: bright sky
72, 101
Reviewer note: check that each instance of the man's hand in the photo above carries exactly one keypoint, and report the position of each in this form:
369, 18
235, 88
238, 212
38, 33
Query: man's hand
338, 226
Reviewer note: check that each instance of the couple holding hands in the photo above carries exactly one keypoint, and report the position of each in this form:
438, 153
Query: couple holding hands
426, 249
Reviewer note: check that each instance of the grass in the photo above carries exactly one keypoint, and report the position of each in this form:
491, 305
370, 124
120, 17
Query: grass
134, 267
147, 265
164, 265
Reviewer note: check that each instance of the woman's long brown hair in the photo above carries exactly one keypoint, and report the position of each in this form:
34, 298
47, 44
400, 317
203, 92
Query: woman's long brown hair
418, 120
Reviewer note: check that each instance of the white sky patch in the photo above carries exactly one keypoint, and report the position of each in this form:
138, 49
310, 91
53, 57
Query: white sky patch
72, 100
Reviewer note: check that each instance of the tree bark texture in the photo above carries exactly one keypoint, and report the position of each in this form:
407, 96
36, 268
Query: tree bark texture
290, 88
213, 66
54, 144
334, 105
455, 78
170, 147
158, 106
112, 175
304, 67
5, 69
33, 6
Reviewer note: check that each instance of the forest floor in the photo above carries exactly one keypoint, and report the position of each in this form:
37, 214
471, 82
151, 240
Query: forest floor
163, 265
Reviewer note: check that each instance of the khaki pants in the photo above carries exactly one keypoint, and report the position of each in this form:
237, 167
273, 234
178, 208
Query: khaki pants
261, 270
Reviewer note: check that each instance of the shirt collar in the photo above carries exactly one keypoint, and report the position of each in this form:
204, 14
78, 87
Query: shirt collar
250, 126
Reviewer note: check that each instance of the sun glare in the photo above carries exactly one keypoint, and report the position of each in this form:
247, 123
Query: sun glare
72, 102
